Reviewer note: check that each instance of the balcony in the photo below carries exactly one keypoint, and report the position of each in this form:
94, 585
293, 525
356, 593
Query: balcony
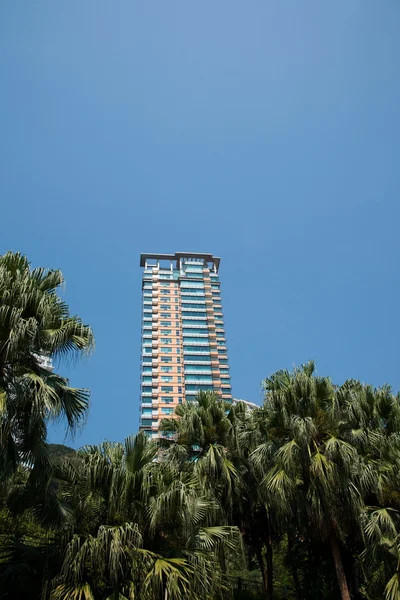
199, 381
198, 362
194, 371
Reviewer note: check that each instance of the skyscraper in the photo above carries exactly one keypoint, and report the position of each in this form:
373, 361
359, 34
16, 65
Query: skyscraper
183, 336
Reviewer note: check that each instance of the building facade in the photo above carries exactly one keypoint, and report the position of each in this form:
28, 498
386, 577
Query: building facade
183, 336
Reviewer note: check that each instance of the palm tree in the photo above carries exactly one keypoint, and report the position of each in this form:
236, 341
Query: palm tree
217, 438
262, 517
141, 528
317, 471
35, 322
381, 557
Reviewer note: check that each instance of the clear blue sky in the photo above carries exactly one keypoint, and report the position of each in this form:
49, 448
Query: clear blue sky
266, 132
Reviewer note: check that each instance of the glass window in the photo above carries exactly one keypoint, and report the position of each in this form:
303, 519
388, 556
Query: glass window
199, 377
166, 359
165, 323
166, 399
194, 357
166, 369
166, 332
193, 269
165, 315
179, 379
198, 369
205, 349
178, 359
195, 340
166, 378
146, 390
147, 369
197, 296
165, 291
146, 411
166, 350
223, 361
147, 350
180, 399
192, 313
146, 379
147, 359
146, 422
178, 350
194, 387
166, 341
192, 285
179, 369
167, 388
164, 284
194, 305
197, 331
167, 411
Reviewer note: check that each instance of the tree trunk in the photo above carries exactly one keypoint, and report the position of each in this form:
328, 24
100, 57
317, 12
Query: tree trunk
293, 568
222, 560
340, 574
263, 569
270, 568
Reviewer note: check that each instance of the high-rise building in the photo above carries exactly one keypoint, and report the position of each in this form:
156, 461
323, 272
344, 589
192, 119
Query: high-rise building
183, 336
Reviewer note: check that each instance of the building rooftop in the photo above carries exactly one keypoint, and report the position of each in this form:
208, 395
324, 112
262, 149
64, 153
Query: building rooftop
246, 402
178, 256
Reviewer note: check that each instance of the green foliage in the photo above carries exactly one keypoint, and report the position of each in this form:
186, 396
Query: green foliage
35, 322
58, 453
298, 499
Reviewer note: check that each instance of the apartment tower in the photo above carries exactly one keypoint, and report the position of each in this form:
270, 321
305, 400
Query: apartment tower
183, 336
